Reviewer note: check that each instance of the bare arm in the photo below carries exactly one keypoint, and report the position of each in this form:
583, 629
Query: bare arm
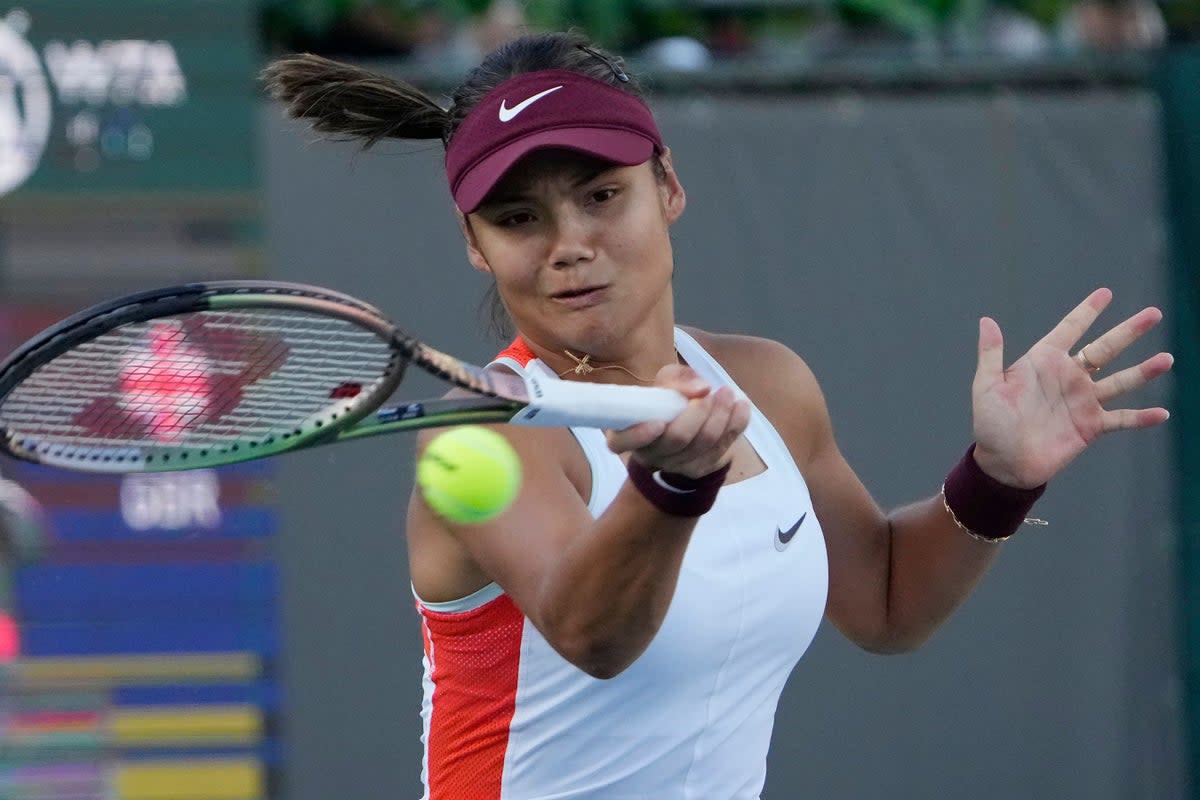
894, 578
597, 589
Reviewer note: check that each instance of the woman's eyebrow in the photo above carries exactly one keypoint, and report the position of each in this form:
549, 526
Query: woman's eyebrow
591, 173
524, 192
514, 195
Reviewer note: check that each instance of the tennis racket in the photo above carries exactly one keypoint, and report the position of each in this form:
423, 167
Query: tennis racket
207, 374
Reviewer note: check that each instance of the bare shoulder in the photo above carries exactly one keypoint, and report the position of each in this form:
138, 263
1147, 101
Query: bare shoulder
448, 561
554, 449
758, 365
778, 381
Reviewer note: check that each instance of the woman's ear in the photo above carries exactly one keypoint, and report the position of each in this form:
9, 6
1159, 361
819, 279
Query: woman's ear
674, 197
474, 254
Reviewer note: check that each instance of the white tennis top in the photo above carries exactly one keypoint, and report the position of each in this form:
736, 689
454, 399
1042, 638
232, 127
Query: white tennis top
507, 718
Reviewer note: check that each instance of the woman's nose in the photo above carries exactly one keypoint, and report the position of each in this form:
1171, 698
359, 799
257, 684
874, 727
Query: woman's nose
572, 240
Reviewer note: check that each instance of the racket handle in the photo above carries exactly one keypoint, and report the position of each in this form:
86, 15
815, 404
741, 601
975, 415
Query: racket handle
559, 403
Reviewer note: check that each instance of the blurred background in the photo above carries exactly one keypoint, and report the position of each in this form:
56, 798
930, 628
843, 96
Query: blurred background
865, 178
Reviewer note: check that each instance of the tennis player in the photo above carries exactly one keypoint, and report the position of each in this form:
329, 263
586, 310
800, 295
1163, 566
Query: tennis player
626, 628
21, 538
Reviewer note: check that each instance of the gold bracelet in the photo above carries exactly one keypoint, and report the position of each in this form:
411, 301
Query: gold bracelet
973, 534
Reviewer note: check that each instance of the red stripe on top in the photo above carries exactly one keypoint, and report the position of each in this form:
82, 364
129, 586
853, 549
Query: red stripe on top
10, 639
475, 658
49, 721
518, 351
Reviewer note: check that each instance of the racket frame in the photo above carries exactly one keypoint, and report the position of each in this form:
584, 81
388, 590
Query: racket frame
93, 322
498, 396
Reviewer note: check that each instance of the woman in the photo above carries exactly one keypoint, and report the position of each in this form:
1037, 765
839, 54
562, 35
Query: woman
624, 630
22, 537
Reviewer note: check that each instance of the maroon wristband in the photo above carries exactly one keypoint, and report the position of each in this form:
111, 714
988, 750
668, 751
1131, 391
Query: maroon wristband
984, 506
675, 494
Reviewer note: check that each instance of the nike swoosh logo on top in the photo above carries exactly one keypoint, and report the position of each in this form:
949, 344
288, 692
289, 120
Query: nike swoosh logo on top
507, 114
782, 538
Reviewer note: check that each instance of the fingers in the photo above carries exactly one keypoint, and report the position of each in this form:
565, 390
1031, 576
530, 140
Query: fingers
696, 442
682, 379
991, 351
1129, 418
634, 437
1075, 324
1133, 377
1108, 347
704, 434
1126, 380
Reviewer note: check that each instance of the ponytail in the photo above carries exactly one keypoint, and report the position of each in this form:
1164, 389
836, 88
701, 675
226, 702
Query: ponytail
348, 102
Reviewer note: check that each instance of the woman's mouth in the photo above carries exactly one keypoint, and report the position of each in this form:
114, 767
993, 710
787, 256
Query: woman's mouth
581, 298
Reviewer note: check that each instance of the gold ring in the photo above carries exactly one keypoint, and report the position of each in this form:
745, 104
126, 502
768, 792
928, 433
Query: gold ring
1084, 362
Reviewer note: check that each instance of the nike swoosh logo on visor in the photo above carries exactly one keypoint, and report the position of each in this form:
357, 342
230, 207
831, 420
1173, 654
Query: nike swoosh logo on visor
782, 538
508, 114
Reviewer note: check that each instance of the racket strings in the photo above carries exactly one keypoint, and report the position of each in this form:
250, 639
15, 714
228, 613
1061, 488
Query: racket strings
202, 379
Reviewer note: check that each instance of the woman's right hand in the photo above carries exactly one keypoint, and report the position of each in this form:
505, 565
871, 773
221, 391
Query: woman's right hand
698, 441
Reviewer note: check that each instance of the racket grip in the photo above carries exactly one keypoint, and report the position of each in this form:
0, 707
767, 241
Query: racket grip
559, 403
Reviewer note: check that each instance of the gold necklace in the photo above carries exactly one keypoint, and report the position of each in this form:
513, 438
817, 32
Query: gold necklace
583, 366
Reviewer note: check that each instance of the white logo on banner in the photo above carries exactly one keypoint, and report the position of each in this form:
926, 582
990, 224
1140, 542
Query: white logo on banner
116, 75
171, 500
24, 108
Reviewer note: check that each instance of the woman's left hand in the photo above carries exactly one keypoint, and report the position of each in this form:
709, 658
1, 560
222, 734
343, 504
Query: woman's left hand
1033, 418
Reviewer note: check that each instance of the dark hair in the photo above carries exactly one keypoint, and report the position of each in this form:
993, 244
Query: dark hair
346, 102
349, 102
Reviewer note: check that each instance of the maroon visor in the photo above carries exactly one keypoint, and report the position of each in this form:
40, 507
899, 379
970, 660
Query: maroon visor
549, 108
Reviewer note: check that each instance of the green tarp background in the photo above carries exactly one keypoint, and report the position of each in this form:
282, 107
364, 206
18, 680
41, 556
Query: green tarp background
1180, 86
202, 139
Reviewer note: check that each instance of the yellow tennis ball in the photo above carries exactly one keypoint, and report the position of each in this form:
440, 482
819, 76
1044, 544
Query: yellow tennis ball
469, 474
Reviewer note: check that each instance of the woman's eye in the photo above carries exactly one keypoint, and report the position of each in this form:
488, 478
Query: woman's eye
514, 219
603, 195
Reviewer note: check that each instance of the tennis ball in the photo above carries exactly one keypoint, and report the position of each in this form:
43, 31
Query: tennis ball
469, 474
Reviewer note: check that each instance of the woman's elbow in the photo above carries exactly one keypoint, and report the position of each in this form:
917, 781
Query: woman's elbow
595, 644
894, 643
600, 658
602, 661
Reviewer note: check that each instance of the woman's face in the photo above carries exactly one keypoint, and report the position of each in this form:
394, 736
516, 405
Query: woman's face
580, 250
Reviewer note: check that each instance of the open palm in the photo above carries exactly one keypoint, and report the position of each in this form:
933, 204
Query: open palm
1036, 416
